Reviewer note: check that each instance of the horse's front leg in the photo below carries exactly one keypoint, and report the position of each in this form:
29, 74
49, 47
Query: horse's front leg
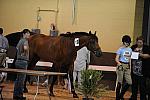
53, 81
72, 86
52, 85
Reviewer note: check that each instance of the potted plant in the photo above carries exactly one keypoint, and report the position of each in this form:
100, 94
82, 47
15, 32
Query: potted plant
90, 84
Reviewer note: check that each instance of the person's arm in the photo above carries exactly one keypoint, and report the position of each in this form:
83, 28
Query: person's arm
130, 63
130, 60
117, 60
145, 56
1, 41
7, 44
118, 53
26, 47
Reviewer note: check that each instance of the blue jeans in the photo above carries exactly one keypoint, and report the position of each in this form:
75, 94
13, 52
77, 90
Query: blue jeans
19, 83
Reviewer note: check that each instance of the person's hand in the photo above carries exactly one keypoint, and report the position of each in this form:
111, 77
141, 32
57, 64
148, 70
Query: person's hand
145, 56
140, 54
119, 64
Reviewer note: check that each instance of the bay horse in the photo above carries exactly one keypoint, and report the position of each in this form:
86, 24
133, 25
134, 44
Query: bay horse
61, 50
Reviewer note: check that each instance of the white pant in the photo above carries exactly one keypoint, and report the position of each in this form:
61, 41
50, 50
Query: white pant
77, 74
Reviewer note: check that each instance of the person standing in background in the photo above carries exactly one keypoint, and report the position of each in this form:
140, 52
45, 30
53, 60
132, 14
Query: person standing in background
3, 48
123, 56
140, 70
21, 63
81, 63
3, 52
53, 30
138, 80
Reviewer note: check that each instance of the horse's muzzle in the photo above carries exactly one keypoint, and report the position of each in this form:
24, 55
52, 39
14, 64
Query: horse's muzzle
98, 53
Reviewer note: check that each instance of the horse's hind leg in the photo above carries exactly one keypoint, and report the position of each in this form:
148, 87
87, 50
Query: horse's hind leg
53, 81
52, 85
32, 63
25, 82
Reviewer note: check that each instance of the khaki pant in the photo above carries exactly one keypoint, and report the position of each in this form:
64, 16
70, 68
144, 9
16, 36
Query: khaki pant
124, 72
2, 58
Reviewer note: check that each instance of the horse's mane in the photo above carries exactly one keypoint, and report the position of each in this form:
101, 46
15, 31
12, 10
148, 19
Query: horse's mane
76, 34
68, 34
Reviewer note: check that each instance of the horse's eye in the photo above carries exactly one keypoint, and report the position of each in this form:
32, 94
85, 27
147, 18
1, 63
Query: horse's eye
92, 41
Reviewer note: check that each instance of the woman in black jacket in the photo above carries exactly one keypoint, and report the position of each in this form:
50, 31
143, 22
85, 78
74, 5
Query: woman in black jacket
140, 69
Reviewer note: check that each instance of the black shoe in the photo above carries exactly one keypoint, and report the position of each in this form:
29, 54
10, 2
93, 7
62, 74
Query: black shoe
123, 90
25, 90
122, 99
19, 98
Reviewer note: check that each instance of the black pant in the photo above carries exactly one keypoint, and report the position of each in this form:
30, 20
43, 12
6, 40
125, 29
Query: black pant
148, 88
138, 82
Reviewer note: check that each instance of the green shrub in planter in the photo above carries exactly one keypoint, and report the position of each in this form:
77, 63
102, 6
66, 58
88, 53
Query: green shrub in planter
90, 84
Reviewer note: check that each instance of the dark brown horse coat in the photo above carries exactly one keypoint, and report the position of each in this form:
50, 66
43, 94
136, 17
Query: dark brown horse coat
53, 49
60, 51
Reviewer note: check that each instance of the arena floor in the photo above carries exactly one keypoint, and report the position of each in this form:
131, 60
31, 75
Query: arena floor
60, 94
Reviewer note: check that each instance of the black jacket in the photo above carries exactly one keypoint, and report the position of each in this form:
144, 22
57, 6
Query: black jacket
145, 62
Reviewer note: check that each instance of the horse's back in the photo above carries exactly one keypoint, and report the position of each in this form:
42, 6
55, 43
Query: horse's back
46, 47
53, 49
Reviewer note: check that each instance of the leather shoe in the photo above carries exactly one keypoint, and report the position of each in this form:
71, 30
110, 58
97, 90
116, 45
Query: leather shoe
19, 98
25, 90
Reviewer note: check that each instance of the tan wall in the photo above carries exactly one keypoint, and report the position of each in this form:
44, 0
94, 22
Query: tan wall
110, 18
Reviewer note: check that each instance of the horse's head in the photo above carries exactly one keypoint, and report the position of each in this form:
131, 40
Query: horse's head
93, 45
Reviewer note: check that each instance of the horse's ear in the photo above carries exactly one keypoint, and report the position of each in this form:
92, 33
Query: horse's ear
90, 32
95, 33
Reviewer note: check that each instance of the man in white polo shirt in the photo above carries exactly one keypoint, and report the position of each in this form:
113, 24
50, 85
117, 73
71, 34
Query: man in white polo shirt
82, 60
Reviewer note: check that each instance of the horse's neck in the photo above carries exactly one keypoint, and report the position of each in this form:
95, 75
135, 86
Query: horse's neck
83, 41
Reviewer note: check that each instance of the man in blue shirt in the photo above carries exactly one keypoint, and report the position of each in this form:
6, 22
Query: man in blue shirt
3, 47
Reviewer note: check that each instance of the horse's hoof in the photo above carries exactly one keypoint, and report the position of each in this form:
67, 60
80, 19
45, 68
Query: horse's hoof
52, 94
75, 96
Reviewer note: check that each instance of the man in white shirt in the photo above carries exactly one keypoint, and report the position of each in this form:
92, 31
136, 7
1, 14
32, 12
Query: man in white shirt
82, 60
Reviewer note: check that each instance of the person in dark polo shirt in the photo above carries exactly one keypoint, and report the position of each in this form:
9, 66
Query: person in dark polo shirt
140, 70
21, 63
